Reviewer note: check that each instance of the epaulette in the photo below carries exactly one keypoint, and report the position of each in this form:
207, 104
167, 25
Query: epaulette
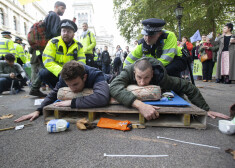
55, 40
80, 44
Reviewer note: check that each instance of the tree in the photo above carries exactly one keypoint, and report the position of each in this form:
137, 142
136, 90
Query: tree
205, 15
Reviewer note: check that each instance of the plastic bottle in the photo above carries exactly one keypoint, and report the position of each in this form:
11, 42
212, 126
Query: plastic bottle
57, 125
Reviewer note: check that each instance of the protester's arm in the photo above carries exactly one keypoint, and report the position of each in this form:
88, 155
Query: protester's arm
51, 98
118, 89
182, 86
2, 74
20, 70
99, 98
119, 92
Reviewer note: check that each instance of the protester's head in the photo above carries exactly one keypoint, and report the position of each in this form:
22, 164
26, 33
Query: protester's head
18, 40
59, 8
208, 39
68, 28
118, 47
203, 37
143, 72
127, 48
10, 58
152, 30
84, 26
228, 28
74, 75
6, 34
97, 51
136, 42
184, 39
198, 43
178, 42
105, 48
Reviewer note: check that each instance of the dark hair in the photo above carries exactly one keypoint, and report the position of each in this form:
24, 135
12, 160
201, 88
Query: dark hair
185, 37
203, 35
71, 70
59, 3
10, 57
229, 25
142, 64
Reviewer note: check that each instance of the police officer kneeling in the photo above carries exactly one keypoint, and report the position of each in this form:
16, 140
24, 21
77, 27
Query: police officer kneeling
160, 44
59, 51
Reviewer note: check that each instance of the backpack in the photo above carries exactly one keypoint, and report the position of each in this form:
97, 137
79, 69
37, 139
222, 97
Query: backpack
37, 36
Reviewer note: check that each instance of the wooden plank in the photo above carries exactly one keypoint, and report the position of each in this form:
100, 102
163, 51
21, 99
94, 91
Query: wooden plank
91, 116
56, 114
186, 119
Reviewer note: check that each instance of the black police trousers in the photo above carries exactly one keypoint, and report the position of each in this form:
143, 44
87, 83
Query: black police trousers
178, 65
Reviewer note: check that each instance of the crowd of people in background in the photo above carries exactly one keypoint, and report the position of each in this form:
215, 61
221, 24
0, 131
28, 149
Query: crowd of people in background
220, 50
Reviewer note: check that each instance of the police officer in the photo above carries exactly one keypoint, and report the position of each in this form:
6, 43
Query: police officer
160, 44
58, 51
20, 55
6, 45
88, 41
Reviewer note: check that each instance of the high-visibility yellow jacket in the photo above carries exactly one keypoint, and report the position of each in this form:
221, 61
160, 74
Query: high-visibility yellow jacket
56, 54
19, 52
88, 42
95, 57
6, 47
165, 50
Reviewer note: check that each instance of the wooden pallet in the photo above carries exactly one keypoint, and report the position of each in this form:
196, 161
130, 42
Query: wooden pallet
189, 117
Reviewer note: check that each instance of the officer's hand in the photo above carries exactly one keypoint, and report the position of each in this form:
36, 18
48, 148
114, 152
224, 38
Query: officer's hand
66, 103
148, 111
30, 117
12, 75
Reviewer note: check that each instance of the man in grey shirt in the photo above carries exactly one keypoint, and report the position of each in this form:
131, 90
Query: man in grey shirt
77, 77
11, 74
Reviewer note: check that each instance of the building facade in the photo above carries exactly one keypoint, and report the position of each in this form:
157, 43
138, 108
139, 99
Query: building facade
18, 18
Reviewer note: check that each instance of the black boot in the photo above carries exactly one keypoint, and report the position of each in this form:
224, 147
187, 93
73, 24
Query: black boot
226, 80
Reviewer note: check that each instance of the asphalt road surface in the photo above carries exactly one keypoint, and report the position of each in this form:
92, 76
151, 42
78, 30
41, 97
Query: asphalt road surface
34, 147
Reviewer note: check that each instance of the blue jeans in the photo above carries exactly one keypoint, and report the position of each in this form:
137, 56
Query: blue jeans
105, 68
5, 84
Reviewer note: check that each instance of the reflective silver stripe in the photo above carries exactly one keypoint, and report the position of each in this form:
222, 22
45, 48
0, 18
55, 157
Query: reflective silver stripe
12, 49
79, 58
21, 52
3, 48
70, 55
45, 55
4, 52
59, 53
132, 57
167, 58
171, 50
2, 43
127, 62
47, 61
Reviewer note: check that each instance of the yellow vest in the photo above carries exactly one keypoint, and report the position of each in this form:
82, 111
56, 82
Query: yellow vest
6, 47
56, 54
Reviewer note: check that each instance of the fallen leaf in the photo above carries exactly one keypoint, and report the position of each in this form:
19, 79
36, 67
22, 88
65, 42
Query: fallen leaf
6, 116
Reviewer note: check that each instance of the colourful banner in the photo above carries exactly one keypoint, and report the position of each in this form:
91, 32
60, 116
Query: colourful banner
197, 68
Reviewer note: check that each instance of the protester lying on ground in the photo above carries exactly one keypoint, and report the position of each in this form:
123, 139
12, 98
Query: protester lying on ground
148, 71
76, 76
11, 74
